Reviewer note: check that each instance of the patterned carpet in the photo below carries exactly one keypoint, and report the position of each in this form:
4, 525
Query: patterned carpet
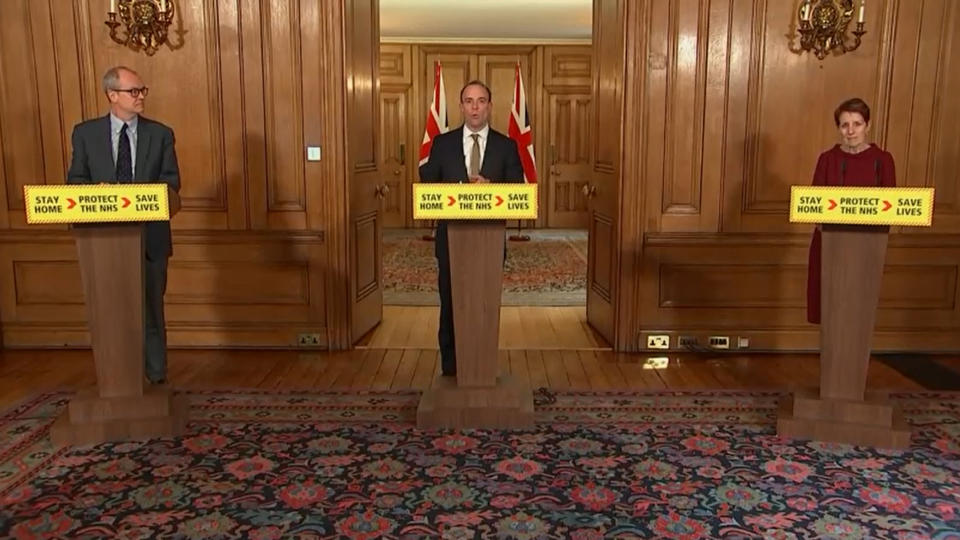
549, 270
679, 465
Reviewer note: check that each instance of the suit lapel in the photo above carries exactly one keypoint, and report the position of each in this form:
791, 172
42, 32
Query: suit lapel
143, 144
462, 162
105, 149
487, 160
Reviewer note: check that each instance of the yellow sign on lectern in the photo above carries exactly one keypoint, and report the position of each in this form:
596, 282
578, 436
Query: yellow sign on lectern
96, 203
911, 207
474, 201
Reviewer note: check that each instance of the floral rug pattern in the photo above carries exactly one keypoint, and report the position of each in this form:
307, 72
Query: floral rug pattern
679, 465
549, 270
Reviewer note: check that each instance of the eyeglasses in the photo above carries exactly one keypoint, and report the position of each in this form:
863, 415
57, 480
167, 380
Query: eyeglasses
134, 92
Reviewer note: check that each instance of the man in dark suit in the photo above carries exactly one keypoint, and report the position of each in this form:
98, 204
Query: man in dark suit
124, 147
471, 153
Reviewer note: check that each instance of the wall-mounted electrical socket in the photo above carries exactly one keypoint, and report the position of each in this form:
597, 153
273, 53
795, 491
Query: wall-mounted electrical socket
719, 342
309, 340
658, 341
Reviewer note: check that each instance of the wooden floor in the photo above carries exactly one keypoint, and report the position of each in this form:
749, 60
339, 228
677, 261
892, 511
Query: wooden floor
25, 373
521, 327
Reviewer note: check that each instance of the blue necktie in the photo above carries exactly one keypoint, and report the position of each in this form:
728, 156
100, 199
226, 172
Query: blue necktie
124, 159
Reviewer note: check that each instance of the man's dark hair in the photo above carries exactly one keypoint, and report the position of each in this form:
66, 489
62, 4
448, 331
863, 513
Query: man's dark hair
479, 83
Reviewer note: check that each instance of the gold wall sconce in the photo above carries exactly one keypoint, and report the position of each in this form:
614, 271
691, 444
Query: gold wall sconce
824, 23
140, 24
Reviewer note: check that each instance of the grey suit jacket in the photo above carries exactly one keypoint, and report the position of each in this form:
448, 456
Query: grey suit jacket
156, 162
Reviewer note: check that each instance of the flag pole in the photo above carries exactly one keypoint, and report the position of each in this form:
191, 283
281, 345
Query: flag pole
432, 235
520, 237
438, 113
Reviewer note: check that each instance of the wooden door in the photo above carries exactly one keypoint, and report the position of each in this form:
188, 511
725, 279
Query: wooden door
362, 22
394, 148
603, 191
568, 171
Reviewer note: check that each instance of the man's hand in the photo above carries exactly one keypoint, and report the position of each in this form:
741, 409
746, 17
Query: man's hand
479, 179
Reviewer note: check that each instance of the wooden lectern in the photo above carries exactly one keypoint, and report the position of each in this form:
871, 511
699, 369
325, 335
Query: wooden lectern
122, 405
852, 268
479, 398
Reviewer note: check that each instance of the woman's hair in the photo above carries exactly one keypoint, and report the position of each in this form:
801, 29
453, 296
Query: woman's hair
853, 105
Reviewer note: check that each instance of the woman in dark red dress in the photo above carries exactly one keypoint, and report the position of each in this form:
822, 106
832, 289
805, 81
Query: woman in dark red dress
853, 162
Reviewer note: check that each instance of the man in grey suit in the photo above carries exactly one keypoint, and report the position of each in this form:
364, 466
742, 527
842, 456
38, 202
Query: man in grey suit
124, 147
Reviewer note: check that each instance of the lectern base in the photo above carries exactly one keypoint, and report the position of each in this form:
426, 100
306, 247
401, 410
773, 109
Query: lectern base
873, 422
91, 419
508, 405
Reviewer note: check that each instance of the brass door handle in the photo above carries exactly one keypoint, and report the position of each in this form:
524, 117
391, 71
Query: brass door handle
588, 190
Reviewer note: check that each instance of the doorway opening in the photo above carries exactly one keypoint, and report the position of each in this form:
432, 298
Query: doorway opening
545, 278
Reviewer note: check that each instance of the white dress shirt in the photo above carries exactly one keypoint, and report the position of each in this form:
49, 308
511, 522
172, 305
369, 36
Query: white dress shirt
468, 144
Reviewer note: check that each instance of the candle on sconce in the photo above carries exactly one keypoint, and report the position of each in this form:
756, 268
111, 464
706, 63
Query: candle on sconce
163, 6
860, 16
113, 6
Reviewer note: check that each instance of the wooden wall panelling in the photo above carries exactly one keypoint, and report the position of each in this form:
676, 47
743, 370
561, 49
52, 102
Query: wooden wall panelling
192, 106
42, 298
233, 185
244, 73
286, 204
780, 110
254, 111
221, 285
21, 116
924, 129
567, 65
688, 40
212, 280
396, 64
754, 285
750, 279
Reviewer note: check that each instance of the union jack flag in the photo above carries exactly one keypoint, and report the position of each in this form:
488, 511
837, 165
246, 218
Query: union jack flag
519, 130
436, 115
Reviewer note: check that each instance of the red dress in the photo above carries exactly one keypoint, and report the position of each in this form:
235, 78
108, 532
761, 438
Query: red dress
872, 167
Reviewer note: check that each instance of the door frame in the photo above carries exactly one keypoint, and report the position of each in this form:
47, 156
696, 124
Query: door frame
629, 234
